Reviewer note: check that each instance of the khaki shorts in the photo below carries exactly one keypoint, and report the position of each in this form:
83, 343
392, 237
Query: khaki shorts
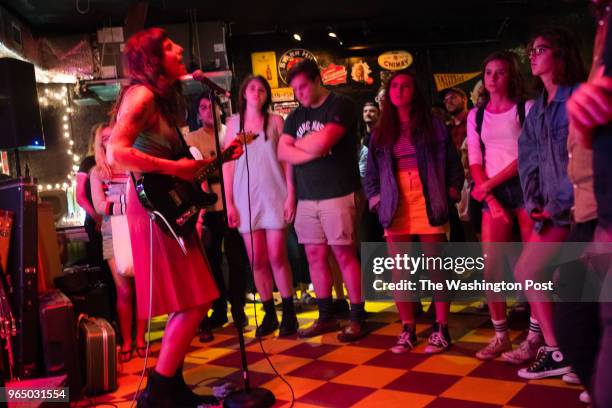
330, 221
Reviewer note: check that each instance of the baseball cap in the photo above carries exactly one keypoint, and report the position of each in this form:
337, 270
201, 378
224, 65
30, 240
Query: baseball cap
456, 90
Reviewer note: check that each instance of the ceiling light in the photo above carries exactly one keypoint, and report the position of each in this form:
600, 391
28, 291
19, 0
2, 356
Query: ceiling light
332, 34
297, 37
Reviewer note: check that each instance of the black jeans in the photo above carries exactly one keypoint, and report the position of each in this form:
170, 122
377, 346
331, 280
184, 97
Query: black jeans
577, 325
218, 237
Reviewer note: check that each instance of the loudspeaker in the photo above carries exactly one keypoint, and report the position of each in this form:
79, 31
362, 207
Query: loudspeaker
59, 339
19, 111
20, 196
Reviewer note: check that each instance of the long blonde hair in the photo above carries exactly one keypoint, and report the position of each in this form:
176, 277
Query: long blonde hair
102, 166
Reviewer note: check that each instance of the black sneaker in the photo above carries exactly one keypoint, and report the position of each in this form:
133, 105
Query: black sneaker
549, 362
268, 325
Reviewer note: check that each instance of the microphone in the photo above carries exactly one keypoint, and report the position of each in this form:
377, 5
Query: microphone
199, 76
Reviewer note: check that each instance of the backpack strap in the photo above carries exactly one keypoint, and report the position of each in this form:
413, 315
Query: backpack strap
520, 109
479, 119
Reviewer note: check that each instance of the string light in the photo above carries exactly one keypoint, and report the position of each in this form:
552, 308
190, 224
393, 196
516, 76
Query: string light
61, 95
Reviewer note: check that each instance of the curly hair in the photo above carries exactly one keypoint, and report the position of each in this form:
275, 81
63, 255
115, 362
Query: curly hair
142, 61
516, 82
569, 67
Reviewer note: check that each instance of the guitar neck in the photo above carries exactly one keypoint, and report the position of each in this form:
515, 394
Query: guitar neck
210, 168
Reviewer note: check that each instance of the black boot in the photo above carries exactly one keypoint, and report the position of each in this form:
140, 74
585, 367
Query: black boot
239, 317
158, 393
289, 325
270, 321
183, 396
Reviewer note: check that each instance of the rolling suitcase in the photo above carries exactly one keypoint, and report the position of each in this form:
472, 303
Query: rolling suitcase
98, 345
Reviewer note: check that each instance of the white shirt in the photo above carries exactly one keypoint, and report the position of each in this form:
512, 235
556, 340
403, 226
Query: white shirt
500, 133
205, 142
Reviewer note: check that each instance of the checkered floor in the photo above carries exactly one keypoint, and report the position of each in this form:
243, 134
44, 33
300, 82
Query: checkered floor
326, 373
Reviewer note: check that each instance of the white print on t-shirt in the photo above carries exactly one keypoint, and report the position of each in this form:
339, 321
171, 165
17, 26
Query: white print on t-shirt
308, 127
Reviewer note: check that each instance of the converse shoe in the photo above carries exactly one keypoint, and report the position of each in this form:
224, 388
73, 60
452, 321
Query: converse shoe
525, 352
548, 363
584, 397
571, 378
496, 346
405, 342
439, 339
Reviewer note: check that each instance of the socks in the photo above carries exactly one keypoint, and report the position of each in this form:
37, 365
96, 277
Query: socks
501, 328
535, 332
268, 306
288, 308
326, 308
357, 313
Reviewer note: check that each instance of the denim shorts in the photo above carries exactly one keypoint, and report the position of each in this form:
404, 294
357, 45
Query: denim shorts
509, 194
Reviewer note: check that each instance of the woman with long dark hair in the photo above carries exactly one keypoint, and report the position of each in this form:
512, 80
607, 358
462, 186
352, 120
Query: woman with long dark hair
146, 139
413, 169
261, 201
557, 67
492, 139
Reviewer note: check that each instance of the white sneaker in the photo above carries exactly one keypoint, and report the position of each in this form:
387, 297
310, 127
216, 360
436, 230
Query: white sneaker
525, 352
585, 397
571, 378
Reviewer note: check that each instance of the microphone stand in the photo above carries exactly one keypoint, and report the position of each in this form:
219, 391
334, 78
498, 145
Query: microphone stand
248, 397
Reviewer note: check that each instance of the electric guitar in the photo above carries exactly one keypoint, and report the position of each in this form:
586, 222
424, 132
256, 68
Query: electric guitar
176, 203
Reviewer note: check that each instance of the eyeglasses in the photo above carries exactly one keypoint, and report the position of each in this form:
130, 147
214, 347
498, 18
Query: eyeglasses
537, 51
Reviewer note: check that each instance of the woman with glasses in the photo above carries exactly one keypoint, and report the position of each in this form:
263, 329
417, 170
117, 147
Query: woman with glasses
492, 139
542, 162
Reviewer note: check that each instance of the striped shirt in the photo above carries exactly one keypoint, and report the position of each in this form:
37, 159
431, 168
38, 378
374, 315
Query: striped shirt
404, 151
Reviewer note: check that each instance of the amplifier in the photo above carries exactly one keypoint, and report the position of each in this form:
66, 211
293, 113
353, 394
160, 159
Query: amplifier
20, 196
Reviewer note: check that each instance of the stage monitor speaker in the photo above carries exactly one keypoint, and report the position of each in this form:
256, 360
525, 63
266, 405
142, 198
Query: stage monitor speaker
20, 196
19, 111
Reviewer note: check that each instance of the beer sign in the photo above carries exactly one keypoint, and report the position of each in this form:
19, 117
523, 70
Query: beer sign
395, 60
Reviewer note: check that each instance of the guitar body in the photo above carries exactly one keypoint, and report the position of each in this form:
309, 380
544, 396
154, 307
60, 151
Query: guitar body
177, 201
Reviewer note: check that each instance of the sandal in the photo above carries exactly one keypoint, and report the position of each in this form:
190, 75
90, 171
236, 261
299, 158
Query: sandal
125, 356
142, 351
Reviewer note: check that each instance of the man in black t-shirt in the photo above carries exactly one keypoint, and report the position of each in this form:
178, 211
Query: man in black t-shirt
320, 141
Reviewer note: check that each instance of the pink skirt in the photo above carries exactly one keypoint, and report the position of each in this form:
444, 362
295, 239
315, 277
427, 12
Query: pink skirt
179, 281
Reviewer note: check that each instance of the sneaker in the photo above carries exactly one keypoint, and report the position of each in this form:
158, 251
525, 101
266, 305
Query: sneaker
496, 346
585, 397
548, 363
571, 378
439, 339
405, 342
307, 300
525, 352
